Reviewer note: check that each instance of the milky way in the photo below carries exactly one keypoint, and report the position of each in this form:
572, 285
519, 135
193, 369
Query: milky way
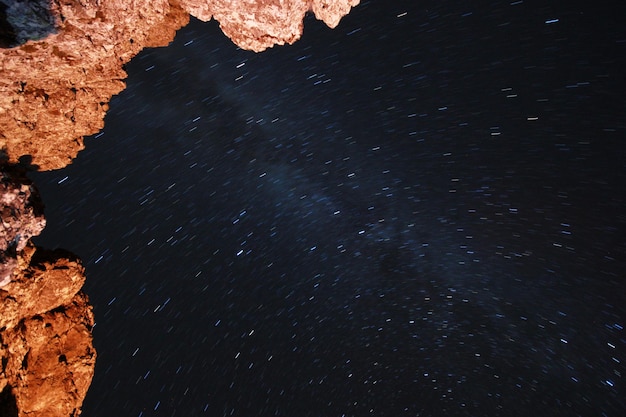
417, 213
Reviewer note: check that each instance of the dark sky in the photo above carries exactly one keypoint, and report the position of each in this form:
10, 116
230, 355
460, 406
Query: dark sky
420, 212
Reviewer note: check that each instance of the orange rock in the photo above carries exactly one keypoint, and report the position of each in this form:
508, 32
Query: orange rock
46, 348
48, 362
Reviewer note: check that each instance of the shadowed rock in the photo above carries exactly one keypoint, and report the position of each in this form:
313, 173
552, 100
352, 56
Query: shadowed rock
25, 20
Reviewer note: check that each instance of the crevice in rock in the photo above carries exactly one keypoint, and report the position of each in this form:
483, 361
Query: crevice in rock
8, 405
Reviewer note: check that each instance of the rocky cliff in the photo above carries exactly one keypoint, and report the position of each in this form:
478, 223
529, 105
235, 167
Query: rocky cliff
55, 90
61, 61
46, 348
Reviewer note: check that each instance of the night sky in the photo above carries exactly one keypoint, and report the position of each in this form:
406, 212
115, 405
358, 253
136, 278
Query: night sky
418, 213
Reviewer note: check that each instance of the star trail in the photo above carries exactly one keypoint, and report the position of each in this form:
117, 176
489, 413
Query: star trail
420, 212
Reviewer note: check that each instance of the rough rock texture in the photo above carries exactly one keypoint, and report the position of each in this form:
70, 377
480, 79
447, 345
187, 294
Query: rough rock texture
46, 352
61, 61
259, 24
22, 218
56, 90
48, 362
42, 281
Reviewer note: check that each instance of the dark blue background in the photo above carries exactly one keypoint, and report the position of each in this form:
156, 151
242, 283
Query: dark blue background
420, 212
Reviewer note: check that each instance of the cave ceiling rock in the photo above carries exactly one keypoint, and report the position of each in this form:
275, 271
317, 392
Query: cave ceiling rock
56, 90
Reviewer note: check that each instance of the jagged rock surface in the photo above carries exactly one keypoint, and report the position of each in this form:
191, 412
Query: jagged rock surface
48, 362
260, 24
22, 218
46, 348
42, 281
56, 90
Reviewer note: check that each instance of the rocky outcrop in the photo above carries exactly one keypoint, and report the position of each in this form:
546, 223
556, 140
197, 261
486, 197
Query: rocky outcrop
46, 348
55, 90
61, 61
260, 24
48, 362
22, 218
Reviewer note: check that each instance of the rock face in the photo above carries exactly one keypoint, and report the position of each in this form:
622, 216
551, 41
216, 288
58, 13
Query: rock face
61, 61
46, 348
48, 362
260, 24
22, 218
56, 90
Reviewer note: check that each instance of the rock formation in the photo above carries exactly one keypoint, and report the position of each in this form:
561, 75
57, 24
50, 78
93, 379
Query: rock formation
61, 61
55, 90
46, 348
